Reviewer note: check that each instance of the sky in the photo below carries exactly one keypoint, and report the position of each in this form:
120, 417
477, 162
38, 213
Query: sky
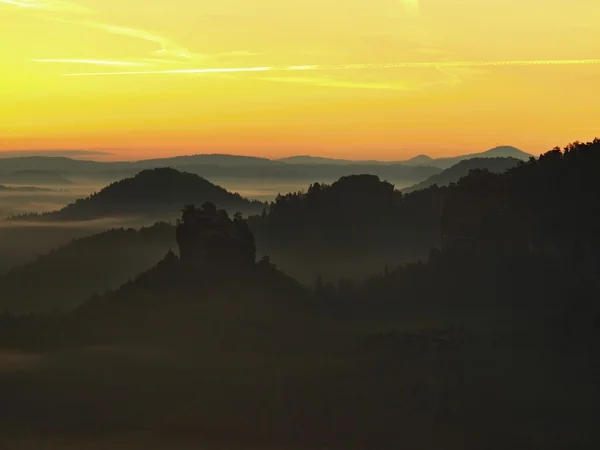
356, 79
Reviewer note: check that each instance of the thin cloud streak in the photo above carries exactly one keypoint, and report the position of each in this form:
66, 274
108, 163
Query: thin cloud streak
328, 82
165, 46
177, 71
168, 50
50, 5
405, 65
15, 3
94, 62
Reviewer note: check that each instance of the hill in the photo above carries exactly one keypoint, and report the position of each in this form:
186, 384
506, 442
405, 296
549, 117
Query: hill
221, 160
420, 160
496, 152
462, 169
151, 194
349, 229
66, 276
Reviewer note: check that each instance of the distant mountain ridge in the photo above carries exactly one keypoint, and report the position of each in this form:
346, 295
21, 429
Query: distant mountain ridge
55, 162
153, 193
462, 169
420, 160
307, 159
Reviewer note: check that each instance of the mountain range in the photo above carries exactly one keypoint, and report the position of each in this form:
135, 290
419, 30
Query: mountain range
63, 170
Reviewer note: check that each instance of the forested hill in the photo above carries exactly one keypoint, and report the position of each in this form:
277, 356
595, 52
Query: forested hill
156, 193
462, 169
351, 228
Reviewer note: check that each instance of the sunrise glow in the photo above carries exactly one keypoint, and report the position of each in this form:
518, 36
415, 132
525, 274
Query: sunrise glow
384, 79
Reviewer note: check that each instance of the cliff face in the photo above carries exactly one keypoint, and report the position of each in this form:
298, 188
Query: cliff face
208, 238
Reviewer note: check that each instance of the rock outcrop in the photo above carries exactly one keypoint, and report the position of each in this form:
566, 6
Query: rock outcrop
209, 239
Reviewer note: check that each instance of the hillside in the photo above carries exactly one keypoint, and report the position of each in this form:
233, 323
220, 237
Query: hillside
445, 163
151, 194
462, 169
351, 228
68, 275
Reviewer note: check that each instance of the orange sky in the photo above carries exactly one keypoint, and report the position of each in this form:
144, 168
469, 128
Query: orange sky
384, 79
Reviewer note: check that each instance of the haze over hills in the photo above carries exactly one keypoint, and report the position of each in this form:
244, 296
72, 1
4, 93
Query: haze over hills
218, 166
462, 168
154, 194
34, 177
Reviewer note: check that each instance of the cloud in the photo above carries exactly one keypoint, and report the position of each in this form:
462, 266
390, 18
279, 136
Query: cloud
329, 82
50, 5
398, 65
94, 62
177, 71
166, 52
165, 46
22, 4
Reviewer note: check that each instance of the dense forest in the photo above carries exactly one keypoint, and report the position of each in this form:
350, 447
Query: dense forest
351, 228
491, 341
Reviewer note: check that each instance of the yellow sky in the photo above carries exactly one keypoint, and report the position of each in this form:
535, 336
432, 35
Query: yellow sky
383, 79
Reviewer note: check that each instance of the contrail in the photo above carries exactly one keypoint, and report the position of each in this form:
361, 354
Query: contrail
404, 65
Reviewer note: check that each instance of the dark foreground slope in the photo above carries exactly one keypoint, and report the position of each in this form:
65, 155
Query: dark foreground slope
66, 276
155, 194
